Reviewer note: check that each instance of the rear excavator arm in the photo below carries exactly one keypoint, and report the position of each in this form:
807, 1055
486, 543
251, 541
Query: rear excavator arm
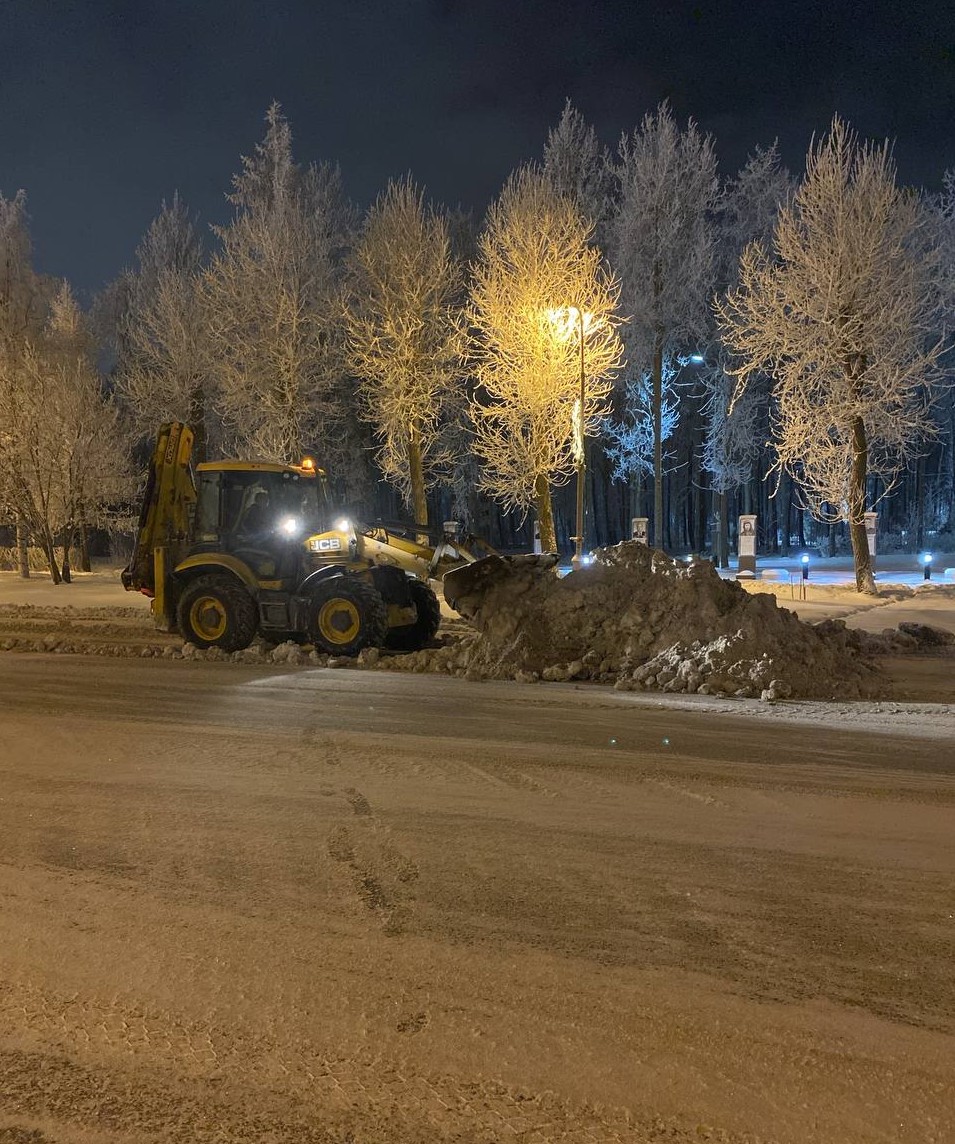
165, 520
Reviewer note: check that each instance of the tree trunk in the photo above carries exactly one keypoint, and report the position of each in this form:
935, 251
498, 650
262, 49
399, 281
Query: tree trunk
784, 499
950, 524
545, 513
86, 565
636, 495
748, 498
658, 442
419, 496
865, 576
702, 499
722, 545
920, 503
23, 551
65, 567
49, 551
197, 423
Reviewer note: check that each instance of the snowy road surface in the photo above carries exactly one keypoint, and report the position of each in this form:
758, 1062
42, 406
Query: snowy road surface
242, 905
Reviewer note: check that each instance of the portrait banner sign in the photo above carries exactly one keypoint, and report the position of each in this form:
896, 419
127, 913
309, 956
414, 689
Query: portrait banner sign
871, 520
746, 545
638, 529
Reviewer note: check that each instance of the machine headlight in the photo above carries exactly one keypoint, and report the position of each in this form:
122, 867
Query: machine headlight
289, 526
343, 525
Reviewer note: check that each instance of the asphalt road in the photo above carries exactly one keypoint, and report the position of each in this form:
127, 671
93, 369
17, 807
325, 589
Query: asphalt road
240, 904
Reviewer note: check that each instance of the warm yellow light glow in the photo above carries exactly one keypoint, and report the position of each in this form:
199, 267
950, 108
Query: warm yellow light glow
566, 320
308, 463
578, 428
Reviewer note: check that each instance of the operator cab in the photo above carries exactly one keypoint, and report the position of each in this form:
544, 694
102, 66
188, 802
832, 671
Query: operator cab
260, 511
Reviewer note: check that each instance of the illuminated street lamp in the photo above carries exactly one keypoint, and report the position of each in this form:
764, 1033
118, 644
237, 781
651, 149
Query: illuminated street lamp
804, 559
927, 565
574, 318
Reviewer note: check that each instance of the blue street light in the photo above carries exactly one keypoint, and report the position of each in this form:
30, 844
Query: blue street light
805, 565
927, 565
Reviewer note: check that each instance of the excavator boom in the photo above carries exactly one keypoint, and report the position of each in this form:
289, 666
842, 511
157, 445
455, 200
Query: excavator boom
165, 516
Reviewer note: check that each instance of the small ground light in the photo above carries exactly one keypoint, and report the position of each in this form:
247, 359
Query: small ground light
927, 565
805, 565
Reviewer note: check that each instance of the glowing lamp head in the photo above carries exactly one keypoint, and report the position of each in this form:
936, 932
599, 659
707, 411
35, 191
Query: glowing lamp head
697, 359
804, 558
308, 464
343, 525
926, 558
289, 526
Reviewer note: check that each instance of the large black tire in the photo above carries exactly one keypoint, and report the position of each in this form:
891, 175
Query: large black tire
216, 610
411, 637
347, 615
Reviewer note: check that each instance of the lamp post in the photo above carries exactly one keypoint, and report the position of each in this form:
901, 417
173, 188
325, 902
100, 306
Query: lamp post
578, 556
562, 323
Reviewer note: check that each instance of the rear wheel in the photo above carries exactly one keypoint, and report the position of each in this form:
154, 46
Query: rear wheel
411, 637
347, 615
217, 611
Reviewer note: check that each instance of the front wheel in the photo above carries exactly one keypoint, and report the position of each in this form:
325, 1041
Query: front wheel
217, 611
347, 614
412, 637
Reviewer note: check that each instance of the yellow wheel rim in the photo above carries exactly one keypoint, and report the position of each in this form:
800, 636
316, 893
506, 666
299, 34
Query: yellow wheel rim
207, 617
339, 621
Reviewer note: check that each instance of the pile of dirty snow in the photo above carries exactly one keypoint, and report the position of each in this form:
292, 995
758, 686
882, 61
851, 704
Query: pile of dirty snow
640, 620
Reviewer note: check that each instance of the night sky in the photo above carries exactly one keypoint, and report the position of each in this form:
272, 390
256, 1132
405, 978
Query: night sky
107, 108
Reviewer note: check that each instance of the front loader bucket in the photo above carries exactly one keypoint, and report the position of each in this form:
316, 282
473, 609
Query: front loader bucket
466, 587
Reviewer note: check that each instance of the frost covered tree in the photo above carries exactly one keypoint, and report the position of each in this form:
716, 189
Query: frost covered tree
405, 336
943, 207
272, 301
840, 314
661, 247
24, 308
941, 232
64, 453
747, 213
631, 439
24, 295
160, 329
538, 291
579, 168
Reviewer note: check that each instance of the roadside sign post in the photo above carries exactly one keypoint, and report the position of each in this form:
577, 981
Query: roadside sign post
746, 547
871, 520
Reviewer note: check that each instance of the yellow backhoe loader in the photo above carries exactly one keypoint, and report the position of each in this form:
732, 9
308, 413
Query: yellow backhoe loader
251, 547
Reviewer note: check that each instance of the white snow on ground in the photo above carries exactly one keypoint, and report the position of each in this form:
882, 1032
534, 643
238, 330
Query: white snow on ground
94, 615
98, 589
